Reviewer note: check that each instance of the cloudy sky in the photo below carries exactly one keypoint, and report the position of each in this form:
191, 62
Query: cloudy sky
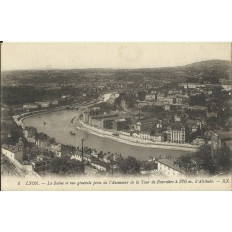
17, 56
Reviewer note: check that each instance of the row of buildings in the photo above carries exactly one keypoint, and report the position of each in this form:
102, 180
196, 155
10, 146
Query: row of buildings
161, 167
107, 121
141, 129
107, 162
41, 104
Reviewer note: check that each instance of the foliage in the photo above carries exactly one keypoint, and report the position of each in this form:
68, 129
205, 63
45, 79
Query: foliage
129, 166
199, 100
20, 94
193, 135
223, 157
208, 160
66, 166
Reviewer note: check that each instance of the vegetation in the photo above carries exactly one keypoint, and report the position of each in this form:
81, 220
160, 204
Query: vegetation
129, 166
10, 131
197, 100
205, 159
12, 95
66, 166
21, 87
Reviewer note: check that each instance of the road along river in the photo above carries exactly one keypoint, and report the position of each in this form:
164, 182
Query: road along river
58, 125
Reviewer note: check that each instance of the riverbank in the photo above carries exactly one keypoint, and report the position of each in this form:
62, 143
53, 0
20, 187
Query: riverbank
129, 140
135, 141
24, 116
58, 125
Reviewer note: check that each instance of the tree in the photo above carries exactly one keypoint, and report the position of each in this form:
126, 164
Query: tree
224, 158
193, 135
129, 166
208, 162
198, 100
66, 166
52, 140
15, 133
184, 161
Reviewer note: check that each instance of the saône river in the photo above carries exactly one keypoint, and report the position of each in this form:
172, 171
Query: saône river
58, 125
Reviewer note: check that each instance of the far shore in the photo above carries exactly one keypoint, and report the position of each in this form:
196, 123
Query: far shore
105, 134
136, 142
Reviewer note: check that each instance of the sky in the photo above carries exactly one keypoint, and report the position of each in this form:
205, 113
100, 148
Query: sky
24, 56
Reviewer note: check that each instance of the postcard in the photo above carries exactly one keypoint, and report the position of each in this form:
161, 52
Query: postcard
116, 116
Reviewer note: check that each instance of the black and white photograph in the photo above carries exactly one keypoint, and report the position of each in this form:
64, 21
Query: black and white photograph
116, 116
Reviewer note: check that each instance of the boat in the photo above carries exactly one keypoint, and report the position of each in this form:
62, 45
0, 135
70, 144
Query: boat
72, 133
115, 134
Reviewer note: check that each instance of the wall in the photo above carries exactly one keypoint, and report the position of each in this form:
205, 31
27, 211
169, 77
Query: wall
167, 170
26, 169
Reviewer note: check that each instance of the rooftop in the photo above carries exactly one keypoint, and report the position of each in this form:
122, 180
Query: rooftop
169, 163
101, 163
120, 120
146, 165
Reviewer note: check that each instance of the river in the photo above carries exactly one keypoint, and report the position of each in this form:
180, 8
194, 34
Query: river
58, 125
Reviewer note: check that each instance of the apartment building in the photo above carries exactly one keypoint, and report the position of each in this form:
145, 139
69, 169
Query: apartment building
176, 134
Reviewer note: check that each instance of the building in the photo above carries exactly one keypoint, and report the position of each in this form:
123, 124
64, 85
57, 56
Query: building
15, 155
150, 97
12, 152
31, 140
120, 124
177, 118
159, 124
107, 158
159, 137
86, 116
123, 104
55, 103
174, 91
107, 123
198, 142
30, 106
168, 168
42, 143
100, 165
145, 135
176, 134
167, 107
41, 163
227, 87
55, 148
44, 104
145, 124
228, 144
98, 120
160, 98
78, 156
179, 100
90, 171
169, 100
191, 85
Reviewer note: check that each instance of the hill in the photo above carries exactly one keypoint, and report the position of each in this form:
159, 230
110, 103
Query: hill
210, 70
